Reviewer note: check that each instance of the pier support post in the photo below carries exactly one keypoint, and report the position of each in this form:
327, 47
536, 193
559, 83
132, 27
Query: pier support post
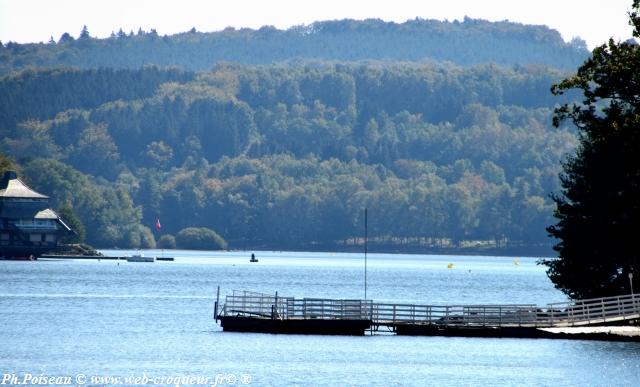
215, 305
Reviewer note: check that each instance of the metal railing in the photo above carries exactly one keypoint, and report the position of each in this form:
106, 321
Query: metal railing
454, 315
594, 311
274, 306
572, 313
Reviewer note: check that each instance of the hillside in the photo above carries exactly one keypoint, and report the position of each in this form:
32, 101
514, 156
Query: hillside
288, 156
468, 42
279, 139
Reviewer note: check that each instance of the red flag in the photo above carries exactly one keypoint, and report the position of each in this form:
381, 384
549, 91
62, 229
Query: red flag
158, 225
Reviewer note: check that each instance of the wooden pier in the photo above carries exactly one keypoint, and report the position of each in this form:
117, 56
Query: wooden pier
245, 311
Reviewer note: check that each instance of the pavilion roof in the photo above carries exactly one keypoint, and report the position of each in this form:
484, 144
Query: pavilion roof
12, 187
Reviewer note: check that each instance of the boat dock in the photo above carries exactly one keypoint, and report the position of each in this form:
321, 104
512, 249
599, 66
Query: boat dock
245, 311
100, 257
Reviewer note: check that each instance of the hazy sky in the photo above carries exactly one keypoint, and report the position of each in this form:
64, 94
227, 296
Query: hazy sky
37, 20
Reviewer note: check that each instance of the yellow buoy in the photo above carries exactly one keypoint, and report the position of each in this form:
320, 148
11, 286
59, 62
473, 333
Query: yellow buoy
450, 266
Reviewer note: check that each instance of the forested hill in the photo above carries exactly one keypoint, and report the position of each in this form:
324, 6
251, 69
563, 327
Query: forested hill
464, 43
288, 156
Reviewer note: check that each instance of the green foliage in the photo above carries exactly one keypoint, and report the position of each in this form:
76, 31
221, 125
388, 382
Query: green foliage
69, 216
7, 164
466, 42
269, 157
84, 34
140, 237
199, 238
96, 152
598, 209
108, 212
167, 241
288, 155
42, 93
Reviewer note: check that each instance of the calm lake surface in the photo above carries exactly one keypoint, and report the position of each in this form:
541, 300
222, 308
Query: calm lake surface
104, 323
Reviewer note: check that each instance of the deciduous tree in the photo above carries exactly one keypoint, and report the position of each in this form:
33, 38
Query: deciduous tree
598, 209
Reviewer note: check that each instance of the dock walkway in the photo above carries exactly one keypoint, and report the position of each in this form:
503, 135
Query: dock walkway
256, 312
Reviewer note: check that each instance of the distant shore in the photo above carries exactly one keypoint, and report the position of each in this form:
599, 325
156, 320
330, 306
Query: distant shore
508, 251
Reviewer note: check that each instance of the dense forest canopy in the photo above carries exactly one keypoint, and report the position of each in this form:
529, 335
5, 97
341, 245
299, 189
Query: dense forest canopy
280, 139
466, 42
288, 156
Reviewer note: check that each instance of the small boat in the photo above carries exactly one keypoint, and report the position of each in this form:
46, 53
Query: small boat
140, 258
253, 258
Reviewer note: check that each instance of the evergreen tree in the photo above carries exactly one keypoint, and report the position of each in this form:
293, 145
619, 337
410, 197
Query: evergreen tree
84, 34
598, 210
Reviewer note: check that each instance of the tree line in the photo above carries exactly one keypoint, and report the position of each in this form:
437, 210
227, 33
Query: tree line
288, 156
466, 42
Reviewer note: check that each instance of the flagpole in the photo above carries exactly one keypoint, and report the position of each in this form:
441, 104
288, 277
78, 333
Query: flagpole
365, 254
158, 228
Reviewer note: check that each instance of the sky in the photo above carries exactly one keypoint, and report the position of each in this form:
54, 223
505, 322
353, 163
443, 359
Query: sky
25, 21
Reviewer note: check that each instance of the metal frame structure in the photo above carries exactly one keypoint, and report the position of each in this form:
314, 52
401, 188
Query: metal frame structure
561, 314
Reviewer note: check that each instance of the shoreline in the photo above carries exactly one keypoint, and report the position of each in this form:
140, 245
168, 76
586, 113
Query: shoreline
604, 333
467, 252
627, 333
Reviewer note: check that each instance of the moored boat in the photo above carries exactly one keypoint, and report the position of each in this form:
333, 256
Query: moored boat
140, 258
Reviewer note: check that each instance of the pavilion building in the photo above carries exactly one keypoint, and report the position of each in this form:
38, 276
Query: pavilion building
28, 227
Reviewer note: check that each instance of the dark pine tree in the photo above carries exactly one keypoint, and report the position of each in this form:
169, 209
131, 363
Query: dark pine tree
84, 34
598, 210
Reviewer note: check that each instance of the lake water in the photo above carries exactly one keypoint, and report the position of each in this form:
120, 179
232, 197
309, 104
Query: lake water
109, 323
